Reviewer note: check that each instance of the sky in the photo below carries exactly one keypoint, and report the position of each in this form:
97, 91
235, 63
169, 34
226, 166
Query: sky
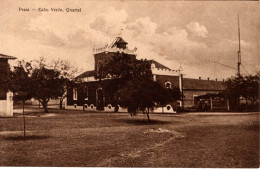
193, 34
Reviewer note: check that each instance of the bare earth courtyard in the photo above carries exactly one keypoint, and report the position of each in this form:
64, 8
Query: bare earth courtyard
78, 138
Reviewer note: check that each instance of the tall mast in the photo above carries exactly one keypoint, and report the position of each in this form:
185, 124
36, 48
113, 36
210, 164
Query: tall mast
239, 50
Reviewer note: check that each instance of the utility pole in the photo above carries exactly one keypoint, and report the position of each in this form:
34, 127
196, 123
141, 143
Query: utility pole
238, 54
239, 50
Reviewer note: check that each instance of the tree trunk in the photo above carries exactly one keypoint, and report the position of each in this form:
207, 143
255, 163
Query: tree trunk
246, 103
23, 121
147, 114
45, 106
61, 100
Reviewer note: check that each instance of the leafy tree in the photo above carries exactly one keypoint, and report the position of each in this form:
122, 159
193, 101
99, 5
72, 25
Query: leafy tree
233, 89
45, 84
44, 80
22, 85
252, 88
133, 85
144, 95
66, 75
242, 86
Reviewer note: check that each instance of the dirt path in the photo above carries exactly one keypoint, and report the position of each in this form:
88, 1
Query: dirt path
136, 153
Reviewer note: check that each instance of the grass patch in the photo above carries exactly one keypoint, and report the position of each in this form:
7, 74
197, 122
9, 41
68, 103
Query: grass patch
82, 139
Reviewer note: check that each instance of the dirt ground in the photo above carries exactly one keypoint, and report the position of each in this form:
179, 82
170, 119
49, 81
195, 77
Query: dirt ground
78, 138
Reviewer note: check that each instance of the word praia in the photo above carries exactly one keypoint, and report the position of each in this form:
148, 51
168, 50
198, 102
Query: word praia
50, 9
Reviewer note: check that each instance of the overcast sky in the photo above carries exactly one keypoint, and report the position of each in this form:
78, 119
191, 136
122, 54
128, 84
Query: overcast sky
194, 33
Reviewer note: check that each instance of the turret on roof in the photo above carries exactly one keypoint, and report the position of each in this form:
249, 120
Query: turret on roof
119, 42
118, 45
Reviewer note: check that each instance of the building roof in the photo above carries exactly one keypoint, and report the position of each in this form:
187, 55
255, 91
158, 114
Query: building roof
158, 65
118, 40
2, 56
86, 74
188, 84
197, 84
121, 40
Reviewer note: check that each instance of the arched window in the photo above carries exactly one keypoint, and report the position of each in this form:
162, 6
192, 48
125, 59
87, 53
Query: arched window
75, 94
168, 85
86, 92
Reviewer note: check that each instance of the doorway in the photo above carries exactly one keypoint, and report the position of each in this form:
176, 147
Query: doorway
100, 100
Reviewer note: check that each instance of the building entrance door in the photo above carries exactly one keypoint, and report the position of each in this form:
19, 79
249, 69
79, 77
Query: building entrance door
100, 101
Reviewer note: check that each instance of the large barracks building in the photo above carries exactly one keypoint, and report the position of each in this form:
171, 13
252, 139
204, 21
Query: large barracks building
88, 93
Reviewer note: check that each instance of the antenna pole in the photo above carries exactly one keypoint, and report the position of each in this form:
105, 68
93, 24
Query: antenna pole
121, 33
239, 50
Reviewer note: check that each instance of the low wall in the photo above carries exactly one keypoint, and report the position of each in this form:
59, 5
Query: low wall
166, 109
109, 108
3, 104
6, 106
92, 107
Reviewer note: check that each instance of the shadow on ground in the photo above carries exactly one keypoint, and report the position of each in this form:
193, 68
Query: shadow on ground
20, 138
142, 121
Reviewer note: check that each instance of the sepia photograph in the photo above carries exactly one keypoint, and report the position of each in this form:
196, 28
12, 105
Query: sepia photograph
129, 83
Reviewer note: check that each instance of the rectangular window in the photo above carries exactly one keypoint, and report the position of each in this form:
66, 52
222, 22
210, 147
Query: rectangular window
86, 92
75, 94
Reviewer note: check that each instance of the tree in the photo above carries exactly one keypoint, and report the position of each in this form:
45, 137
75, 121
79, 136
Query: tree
66, 74
133, 85
233, 89
47, 80
252, 87
45, 83
242, 86
144, 95
21, 84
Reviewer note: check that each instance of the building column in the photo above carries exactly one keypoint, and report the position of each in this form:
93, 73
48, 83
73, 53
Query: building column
228, 105
181, 89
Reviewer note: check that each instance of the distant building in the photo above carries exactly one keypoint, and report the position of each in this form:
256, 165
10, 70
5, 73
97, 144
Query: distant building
6, 98
89, 94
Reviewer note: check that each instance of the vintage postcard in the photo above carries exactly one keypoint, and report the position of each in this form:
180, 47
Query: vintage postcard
129, 83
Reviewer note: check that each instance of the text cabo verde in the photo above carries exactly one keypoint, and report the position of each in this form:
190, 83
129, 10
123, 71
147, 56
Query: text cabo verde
22, 9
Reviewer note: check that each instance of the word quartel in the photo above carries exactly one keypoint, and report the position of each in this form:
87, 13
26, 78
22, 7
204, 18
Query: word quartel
50, 9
